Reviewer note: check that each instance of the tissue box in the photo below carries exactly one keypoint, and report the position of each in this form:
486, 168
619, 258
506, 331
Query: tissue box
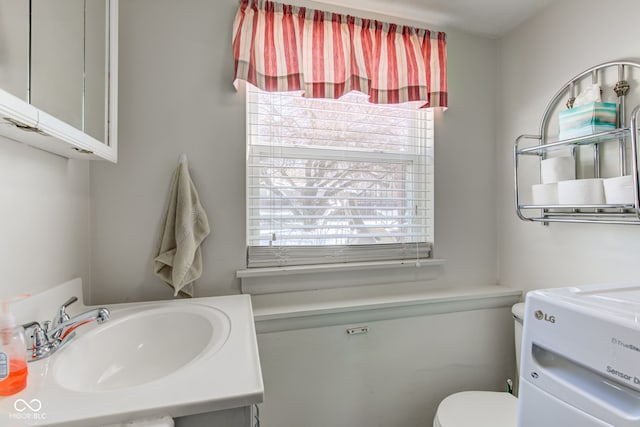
587, 119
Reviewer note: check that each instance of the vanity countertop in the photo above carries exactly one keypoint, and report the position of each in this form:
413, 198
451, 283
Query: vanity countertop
63, 389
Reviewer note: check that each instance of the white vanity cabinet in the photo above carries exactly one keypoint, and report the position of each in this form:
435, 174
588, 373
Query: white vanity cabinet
235, 417
58, 76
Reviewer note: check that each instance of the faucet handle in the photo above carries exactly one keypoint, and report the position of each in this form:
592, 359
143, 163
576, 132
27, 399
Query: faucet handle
39, 335
61, 315
33, 325
40, 345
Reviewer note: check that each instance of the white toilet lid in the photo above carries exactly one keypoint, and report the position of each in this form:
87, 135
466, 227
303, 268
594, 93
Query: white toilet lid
477, 409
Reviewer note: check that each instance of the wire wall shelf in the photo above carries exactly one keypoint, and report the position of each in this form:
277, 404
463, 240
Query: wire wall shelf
594, 149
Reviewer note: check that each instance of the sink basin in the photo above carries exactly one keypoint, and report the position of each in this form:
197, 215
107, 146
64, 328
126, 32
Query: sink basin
179, 357
140, 345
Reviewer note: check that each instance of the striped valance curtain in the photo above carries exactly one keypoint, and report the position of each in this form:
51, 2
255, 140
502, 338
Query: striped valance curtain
282, 48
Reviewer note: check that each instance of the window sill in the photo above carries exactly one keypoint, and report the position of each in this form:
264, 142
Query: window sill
330, 307
308, 277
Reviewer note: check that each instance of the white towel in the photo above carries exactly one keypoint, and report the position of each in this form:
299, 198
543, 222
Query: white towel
179, 261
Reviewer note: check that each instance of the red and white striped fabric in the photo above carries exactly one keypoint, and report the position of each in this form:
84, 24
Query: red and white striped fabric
282, 48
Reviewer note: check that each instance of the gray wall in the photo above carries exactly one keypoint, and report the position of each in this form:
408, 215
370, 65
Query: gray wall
536, 60
44, 220
176, 96
393, 376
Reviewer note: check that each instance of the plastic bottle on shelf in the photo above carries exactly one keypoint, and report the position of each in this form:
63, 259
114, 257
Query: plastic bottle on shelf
13, 354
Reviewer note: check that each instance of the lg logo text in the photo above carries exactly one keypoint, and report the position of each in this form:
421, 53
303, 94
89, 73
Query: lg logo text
540, 315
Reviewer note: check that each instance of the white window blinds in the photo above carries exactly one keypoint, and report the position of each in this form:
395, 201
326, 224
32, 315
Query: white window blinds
337, 180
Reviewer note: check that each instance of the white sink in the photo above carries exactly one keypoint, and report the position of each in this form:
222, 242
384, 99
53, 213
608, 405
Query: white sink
178, 358
139, 346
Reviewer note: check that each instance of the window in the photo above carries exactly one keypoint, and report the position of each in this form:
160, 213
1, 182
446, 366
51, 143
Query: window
337, 180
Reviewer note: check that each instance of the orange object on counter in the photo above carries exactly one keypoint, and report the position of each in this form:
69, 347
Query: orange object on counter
17, 379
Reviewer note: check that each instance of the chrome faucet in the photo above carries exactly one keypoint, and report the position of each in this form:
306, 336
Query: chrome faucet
50, 336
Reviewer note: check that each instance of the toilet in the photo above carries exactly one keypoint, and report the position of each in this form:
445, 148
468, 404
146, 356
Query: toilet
483, 408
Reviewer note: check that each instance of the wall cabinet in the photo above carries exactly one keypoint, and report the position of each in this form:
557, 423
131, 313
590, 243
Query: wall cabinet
58, 89
57, 58
14, 47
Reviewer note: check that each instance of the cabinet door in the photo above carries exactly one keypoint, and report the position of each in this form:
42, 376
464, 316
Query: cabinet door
58, 75
95, 62
14, 47
57, 58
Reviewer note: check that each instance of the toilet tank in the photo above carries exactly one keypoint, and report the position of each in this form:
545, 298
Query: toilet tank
518, 316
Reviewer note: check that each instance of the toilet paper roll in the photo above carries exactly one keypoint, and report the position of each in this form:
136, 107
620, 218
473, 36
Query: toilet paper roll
544, 194
581, 192
556, 169
619, 190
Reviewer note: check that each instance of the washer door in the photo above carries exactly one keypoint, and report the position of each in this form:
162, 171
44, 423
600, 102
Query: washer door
537, 408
